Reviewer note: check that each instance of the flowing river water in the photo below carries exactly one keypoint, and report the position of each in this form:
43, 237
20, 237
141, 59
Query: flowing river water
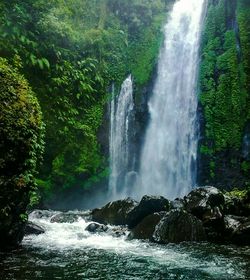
68, 251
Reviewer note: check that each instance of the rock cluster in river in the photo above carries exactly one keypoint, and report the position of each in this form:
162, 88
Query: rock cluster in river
205, 214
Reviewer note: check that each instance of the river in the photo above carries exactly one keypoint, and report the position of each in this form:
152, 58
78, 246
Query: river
68, 251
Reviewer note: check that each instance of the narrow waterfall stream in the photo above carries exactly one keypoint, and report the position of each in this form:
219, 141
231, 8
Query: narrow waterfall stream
168, 161
121, 110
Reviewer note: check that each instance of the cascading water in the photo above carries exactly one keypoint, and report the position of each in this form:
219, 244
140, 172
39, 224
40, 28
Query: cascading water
121, 114
168, 160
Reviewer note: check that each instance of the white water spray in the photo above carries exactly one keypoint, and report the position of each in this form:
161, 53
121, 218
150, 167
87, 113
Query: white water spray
168, 161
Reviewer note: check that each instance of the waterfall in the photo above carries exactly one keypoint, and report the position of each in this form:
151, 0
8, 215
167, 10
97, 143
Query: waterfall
168, 160
121, 115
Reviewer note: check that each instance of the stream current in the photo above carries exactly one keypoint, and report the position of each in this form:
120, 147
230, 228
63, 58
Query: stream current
68, 251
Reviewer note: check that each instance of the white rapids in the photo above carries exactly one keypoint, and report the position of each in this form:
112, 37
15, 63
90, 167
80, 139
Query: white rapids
70, 239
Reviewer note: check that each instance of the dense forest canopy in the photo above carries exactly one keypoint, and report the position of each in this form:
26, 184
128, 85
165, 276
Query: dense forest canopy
71, 52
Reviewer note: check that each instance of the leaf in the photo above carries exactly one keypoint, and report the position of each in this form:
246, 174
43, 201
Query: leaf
33, 59
22, 39
40, 63
46, 62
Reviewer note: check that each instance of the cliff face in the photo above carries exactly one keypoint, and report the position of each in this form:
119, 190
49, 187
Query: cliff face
225, 95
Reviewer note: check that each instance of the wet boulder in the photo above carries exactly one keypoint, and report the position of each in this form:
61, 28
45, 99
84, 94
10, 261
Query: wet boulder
232, 223
117, 231
39, 214
201, 201
96, 228
32, 228
114, 213
214, 224
148, 205
146, 228
178, 226
237, 230
178, 203
65, 218
241, 235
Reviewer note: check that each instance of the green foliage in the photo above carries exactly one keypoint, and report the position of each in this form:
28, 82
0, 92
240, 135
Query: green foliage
34, 199
24, 217
224, 93
245, 166
21, 125
243, 11
21, 147
72, 51
237, 193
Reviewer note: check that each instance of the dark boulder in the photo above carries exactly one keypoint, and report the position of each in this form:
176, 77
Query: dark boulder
148, 205
114, 213
241, 235
201, 201
96, 228
32, 228
232, 224
237, 230
214, 225
146, 228
178, 226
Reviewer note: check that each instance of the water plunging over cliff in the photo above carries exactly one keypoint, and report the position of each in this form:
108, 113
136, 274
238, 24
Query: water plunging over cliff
168, 160
121, 114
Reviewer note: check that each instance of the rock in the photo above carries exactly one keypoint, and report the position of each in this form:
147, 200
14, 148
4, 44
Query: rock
96, 228
118, 231
148, 205
178, 226
213, 222
237, 230
236, 205
241, 235
114, 213
201, 201
232, 224
38, 214
146, 228
65, 218
178, 203
32, 228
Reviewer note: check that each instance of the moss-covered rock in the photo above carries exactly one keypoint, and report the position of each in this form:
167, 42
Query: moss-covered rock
21, 145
